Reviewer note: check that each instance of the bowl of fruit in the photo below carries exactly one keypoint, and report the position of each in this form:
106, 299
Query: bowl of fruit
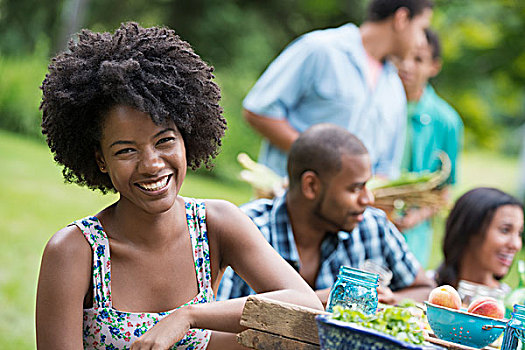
477, 326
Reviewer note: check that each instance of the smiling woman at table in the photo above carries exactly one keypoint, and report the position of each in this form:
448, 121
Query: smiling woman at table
482, 235
127, 113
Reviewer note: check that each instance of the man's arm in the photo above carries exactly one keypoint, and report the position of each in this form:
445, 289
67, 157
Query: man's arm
415, 216
278, 131
417, 291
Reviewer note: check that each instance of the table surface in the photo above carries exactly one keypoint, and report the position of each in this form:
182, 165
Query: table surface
272, 324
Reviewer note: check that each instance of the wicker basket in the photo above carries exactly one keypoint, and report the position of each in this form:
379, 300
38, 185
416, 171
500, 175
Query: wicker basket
420, 194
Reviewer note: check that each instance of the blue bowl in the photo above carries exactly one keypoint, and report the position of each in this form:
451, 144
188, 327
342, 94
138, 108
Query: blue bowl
339, 335
463, 328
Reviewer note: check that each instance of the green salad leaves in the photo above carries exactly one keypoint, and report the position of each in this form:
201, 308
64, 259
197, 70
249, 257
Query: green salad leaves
395, 321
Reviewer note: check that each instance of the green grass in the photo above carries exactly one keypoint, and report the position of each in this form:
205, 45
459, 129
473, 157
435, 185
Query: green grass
35, 203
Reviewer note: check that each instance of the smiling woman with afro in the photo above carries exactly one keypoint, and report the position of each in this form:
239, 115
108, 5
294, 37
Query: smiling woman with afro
128, 112
150, 69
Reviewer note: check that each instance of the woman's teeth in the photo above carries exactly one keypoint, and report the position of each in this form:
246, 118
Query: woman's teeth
155, 186
506, 258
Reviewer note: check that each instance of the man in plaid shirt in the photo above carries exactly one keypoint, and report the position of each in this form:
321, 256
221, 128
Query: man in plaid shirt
325, 220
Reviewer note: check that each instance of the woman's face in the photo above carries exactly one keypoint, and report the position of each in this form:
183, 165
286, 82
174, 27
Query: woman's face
502, 240
146, 162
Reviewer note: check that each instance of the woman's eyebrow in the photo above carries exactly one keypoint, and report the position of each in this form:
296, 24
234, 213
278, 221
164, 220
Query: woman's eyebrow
123, 142
163, 131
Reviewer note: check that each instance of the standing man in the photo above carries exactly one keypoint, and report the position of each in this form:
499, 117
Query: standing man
325, 220
432, 126
341, 76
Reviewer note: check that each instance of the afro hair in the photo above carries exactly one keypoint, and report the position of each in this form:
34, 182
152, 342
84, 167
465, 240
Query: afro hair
150, 69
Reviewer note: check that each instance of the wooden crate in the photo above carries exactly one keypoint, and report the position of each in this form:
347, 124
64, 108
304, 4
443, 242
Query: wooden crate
278, 325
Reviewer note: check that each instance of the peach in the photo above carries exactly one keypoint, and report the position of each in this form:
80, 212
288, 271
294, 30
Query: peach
487, 306
446, 296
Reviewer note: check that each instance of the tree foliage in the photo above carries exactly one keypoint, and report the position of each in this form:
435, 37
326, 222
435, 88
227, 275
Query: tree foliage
484, 52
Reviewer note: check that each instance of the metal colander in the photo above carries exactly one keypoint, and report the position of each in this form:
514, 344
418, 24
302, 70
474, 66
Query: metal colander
463, 328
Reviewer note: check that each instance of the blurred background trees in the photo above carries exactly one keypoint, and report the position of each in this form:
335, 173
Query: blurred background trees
483, 47
483, 78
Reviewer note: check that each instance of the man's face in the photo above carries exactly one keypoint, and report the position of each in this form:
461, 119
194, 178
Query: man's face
344, 197
411, 33
417, 67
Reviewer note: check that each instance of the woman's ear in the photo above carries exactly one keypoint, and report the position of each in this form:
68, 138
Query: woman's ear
310, 185
100, 161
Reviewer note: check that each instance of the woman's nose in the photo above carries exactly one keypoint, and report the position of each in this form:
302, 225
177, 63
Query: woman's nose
516, 242
150, 162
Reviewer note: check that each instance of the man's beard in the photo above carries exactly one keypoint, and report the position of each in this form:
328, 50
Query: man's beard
337, 226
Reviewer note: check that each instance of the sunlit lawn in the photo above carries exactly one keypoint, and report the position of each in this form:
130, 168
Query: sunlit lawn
34, 203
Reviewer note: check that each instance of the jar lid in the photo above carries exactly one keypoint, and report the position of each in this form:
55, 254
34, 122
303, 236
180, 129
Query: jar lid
359, 275
519, 311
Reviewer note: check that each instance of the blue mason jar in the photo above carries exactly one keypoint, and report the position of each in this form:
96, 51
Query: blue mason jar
354, 289
515, 330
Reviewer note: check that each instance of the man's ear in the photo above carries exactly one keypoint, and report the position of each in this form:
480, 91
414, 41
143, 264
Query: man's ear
401, 19
310, 185
100, 161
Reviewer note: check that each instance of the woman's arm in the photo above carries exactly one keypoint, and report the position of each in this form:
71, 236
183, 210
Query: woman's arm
234, 241
243, 247
65, 275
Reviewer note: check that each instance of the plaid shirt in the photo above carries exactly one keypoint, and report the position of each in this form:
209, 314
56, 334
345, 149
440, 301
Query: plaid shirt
375, 238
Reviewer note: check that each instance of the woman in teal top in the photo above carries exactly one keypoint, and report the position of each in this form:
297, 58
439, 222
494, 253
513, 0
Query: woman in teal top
432, 126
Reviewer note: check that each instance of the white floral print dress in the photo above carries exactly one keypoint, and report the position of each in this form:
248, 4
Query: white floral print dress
107, 328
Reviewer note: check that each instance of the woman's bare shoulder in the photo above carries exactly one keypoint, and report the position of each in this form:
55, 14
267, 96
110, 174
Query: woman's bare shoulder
224, 214
66, 267
219, 207
68, 243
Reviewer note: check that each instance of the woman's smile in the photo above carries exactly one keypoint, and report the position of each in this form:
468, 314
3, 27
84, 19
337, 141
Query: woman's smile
155, 185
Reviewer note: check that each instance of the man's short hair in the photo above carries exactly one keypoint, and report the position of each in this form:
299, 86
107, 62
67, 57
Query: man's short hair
379, 10
433, 42
319, 149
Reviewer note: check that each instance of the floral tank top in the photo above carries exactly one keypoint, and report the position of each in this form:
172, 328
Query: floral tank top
107, 328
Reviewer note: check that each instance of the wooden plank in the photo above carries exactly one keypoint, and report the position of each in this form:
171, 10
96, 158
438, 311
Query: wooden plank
448, 344
260, 340
288, 320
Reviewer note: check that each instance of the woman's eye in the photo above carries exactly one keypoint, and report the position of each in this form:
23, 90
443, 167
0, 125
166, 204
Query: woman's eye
505, 230
165, 139
124, 151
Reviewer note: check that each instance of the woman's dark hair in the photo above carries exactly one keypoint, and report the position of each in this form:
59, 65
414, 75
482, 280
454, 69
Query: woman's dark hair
471, 216
379, 10
150, 69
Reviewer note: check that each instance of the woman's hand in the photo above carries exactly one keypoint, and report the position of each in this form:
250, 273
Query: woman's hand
166, 332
